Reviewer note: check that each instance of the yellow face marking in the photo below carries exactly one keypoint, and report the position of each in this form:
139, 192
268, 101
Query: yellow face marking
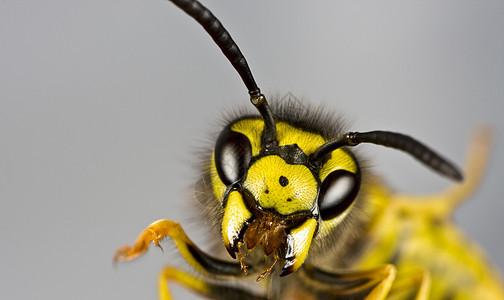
281, 186
252, 129
286, 135
340, 160
235, 215
302, 237
305, 188
218, 186
307, 141
326, 227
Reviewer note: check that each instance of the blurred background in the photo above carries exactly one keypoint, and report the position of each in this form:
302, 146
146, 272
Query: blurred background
104, 104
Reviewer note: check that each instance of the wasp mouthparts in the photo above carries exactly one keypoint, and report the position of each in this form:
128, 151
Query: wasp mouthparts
268, 230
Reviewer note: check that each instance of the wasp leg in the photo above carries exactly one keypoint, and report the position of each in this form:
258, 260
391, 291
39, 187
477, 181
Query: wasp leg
411, 285
443, 204
199, 260
203, 287
206, 265
373, 284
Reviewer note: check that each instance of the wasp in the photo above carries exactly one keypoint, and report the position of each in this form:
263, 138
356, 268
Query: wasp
301, 216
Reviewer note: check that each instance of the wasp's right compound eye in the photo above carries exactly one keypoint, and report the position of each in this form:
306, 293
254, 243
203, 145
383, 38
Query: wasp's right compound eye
232, 156
337, 193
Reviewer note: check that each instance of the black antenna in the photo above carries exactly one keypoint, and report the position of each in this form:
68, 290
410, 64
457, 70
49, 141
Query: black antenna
223, 39
393, 140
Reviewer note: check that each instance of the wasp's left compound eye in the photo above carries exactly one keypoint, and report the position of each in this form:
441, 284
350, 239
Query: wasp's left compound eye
232, 156
337, 193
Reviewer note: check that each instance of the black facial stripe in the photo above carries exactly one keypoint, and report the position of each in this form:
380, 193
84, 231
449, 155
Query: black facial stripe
232, 156
337, 193
292, 154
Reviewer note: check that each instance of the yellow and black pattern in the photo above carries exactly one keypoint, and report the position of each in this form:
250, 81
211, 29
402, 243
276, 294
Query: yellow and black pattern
300, 216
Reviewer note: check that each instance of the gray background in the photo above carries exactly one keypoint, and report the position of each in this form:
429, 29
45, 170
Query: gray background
102, 104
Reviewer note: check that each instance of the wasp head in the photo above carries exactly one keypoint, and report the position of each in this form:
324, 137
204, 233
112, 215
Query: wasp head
271, 195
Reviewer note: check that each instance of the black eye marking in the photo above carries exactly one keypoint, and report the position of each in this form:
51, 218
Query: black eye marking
266, 191
233, 153
289, 199
283, 181
337, 193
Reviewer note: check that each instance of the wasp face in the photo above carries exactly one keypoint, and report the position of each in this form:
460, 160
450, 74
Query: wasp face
275, 198
282, 197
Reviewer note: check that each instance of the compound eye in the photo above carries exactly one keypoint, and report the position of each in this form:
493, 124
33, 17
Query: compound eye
337, 193
232, 156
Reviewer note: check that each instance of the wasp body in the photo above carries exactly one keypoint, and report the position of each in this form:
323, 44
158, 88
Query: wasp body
300, 213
